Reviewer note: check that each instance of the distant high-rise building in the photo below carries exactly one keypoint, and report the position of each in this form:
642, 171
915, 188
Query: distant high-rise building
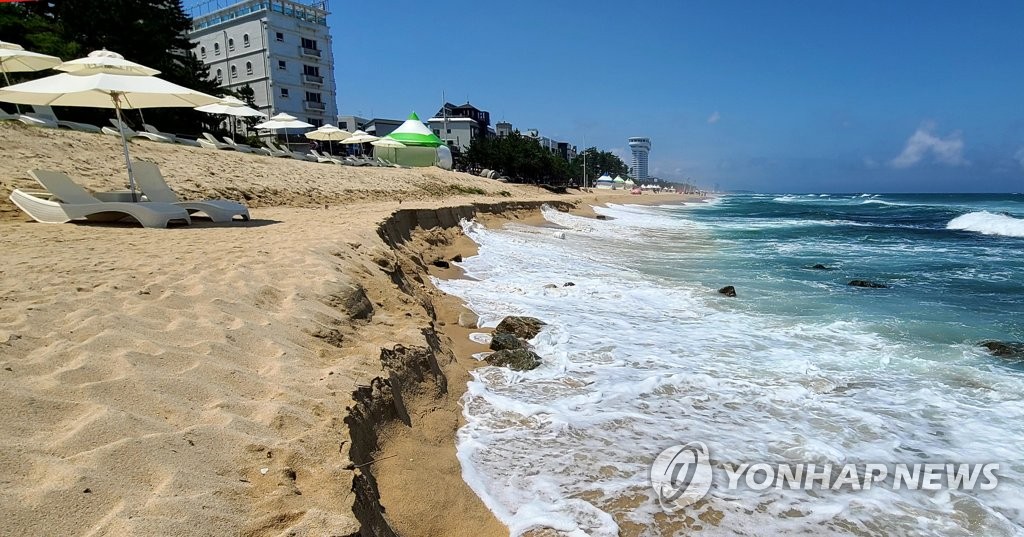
641, 146
279, 48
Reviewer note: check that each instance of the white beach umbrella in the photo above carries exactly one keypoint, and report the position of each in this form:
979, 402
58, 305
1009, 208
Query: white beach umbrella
329, 133
15, 59
360, 137
230, 106
283, 121
389, 143
105, 61
106, 87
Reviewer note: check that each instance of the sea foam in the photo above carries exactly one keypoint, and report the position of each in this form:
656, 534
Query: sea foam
988, 223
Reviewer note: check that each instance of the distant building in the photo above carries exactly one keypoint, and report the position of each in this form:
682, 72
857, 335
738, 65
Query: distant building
503, 128
640, 146
458, 126
280, 48
351, 123
382, 127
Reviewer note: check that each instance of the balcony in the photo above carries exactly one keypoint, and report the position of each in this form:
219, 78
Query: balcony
313, 79
313, 105
311, 52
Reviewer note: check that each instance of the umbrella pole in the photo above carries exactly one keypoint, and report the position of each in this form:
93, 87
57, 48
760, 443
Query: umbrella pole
8, 81
124, 144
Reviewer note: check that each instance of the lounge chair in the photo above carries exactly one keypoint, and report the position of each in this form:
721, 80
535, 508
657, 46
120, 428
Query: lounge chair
210, 141
131, 133
36, 121
43, 116
285, 152
153, 185
64, 200
156, 132
5, 116
324, 158
241, 148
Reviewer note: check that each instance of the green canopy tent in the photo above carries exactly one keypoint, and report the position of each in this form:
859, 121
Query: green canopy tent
420, 144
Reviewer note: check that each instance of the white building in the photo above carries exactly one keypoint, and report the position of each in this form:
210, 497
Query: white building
280, 48
641, 146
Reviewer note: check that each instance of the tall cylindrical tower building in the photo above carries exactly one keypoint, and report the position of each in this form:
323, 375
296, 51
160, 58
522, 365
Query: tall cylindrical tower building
641, 146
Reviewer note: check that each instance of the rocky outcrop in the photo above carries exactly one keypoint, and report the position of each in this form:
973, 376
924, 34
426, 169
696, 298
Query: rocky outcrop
867, 284
520, 327
819, 266
517, 359
505, 341
1004, 349
728, 290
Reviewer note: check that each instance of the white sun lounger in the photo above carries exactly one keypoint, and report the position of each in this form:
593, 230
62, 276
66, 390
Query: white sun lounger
65, 200
241, 148
324, 157
156, 132
153, 185
210, 141
131, 133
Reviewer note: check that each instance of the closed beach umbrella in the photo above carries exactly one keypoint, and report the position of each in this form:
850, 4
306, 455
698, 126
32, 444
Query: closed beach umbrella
283, 121
14, 59
106, 80
230, 106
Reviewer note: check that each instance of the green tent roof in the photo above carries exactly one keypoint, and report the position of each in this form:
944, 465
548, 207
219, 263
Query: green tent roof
413, 132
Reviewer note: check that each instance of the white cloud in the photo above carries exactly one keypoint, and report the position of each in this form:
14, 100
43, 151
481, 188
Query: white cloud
714, 117
870, 163
1019, 156
948, 150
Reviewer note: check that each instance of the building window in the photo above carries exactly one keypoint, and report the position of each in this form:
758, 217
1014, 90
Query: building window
280, 36
308, 43
216, 49
437, 132
248, 68
449, 131
245, 40
220, 76
284, 92
315, 122
312, 96
281, 64
234, 72
344, 125
202, 52
311, 70
231, 44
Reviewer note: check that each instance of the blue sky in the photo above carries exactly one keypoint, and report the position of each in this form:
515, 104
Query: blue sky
811, 96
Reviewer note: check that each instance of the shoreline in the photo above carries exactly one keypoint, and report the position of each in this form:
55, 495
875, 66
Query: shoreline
211, 377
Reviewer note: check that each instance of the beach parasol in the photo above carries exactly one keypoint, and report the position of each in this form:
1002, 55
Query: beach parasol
233, 107
14, 59
329, 133
283, 121
389, 143
106, 80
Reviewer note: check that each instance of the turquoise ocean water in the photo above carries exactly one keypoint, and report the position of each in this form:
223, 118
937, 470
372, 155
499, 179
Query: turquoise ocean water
643, 353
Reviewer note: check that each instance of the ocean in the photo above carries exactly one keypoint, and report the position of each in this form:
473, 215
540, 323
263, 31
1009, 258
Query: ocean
642, 353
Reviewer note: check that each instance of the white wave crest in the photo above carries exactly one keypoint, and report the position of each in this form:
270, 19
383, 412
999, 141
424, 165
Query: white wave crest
988, 223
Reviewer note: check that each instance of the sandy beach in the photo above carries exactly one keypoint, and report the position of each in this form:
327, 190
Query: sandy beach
236, 379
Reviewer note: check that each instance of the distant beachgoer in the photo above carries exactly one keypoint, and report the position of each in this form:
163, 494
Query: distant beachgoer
313, 146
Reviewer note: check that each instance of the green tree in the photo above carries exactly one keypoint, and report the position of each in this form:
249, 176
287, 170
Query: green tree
598, 162
519, 157
150, 32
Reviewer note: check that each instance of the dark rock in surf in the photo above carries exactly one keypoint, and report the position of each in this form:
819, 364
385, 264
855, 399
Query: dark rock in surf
728, 290
868, 284
522, 327
518, 359
440, 263
1004, 349
457, 258
505, 342
819, 266
569, 284
601, 217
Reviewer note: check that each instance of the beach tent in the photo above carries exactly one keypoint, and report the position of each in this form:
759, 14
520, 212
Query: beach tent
618, 183
390, 147
105, 79
604, 182
421, 144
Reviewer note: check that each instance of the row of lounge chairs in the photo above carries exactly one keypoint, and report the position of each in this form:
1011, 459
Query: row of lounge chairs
64, 201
